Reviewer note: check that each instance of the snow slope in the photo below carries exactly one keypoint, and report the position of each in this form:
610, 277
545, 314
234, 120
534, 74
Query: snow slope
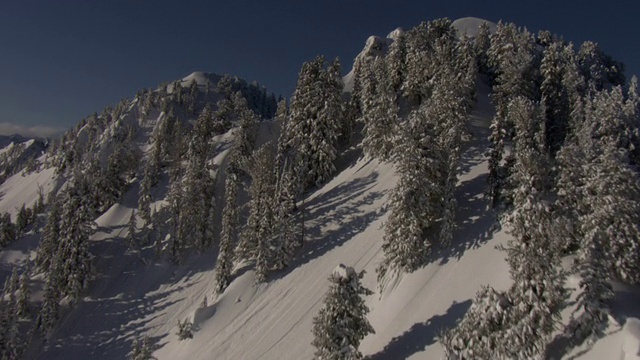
135, 295
273, 320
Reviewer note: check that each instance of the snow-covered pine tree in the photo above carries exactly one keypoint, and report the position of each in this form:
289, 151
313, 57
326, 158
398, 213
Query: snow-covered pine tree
132, 237
245, 138
197, 194
326, 129
228, 235
481, 47
396, 63
416, 62
613, 190
7, 230
50, 237
24, 294
450, 102
10, 346
537, 292
286, 230
177, 244
560, 88
141, 349
22, 220
144, 195
379, 112
257, 240
341, 323
599, 70
477, 335
415, 201
511, 56
50, 308
76, 226
315, 121
596, 293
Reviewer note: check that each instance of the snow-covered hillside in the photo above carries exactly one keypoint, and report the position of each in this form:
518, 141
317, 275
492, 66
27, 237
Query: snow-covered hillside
135, 293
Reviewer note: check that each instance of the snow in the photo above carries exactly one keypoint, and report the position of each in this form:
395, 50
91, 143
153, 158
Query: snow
201, 78
471, 26
631, 340
23, 189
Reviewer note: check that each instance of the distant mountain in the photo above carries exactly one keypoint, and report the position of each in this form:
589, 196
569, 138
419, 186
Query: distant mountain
18, 152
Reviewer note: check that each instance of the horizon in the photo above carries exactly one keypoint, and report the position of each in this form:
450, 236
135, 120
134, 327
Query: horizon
65, 61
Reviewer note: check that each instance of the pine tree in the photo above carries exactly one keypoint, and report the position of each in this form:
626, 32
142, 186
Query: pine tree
481, 46
379, 113
142, 349
10, 347
257, 239
341, 323
144, 195
414, 204
50, 309
132, 238
596, 290
511, 55
228, 235
76, 226
24, 294
22, 220
7, 230
479, 332
396, 63
614, 190
50, 238
314, 125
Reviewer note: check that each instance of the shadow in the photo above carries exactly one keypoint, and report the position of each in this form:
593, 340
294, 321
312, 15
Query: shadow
476, 224
127, 299
336, 216
421, 335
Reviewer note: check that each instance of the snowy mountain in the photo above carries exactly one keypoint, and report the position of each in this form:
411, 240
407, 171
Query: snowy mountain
121, 234
18, 152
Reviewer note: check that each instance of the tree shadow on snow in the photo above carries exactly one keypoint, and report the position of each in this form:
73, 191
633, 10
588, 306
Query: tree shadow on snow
126, 299
421, 335
335, 217
475, 223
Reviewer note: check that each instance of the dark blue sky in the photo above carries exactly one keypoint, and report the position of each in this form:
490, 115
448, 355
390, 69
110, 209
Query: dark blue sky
62, 60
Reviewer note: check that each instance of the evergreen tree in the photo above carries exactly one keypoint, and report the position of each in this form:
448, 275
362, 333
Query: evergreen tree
246, 134
596, 291
144, 195
22, 220
415, 201
257, 239
396, 63
511, 56
76, 226
50, 237
142, 349
379, 113
7, 230
132, 240
341, 323
24, 294
50, 309
314, 125
228, 235
481, 47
